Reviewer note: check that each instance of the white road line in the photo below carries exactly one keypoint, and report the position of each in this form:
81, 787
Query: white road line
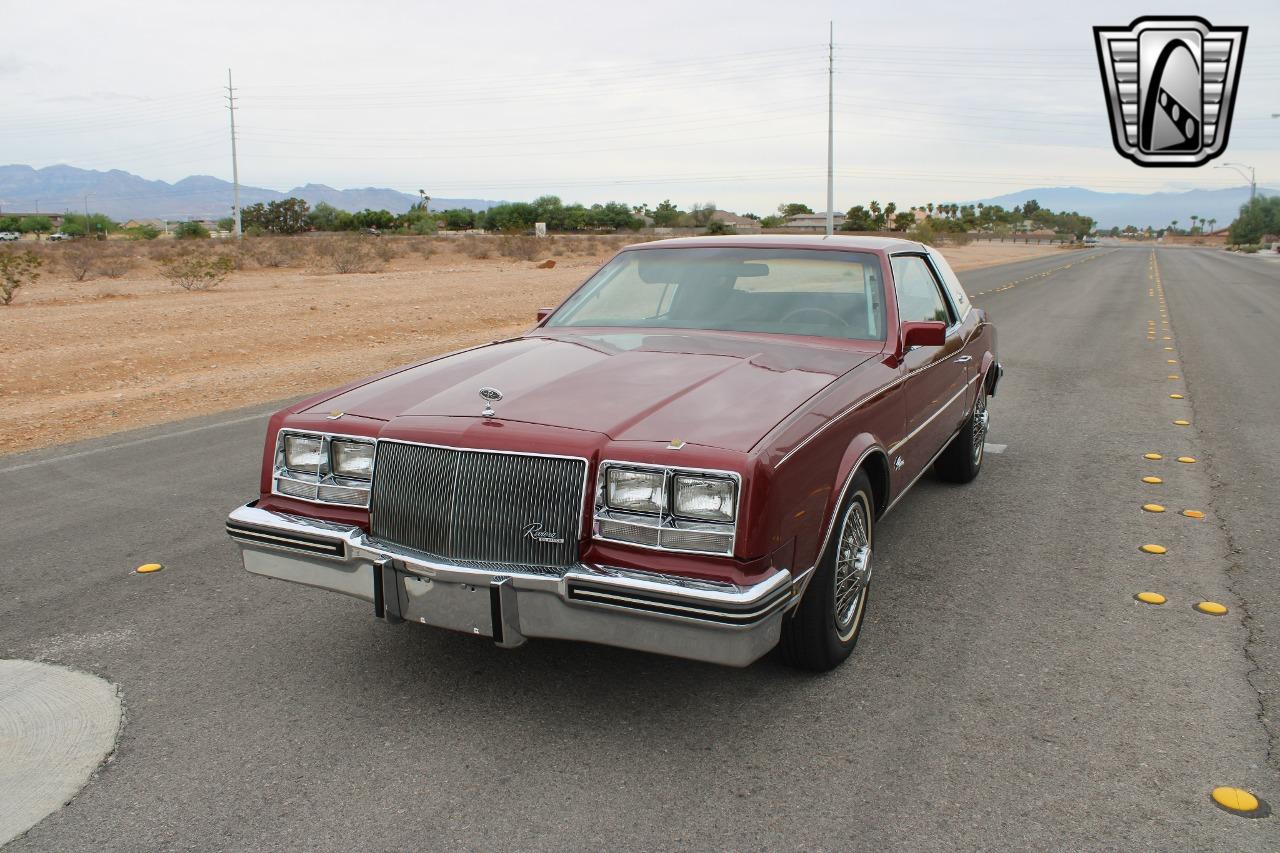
994, 448
91, 451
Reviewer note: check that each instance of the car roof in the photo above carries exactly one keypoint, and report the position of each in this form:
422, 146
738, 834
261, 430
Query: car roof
849, 242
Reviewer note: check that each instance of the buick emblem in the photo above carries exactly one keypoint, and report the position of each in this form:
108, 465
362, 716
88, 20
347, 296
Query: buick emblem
1171, 85
490, 396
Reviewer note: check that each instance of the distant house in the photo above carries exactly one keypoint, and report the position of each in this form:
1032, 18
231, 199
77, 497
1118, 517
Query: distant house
158, 224
812, 221
741, 224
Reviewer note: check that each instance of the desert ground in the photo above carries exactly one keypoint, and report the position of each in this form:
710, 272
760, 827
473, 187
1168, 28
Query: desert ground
87, 358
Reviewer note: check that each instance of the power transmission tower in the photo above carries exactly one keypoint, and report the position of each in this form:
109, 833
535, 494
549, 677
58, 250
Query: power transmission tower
831, 133
235, 166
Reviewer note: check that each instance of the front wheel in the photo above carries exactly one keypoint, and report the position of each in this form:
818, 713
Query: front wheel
824, 627
962, 459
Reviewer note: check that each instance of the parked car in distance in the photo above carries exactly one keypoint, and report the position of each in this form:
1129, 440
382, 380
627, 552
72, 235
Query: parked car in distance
690, 456
58, 236
9, 236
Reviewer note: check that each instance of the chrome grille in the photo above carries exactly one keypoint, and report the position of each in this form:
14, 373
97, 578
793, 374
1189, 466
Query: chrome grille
478, 506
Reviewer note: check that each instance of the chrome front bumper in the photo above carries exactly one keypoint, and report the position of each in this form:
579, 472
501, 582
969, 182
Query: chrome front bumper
702, 620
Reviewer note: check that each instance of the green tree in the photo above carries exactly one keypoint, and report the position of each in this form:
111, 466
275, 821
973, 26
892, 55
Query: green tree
1257, 218
772, 222
701, 213
35, 225
286, 216
326, 217
666, 214
460, 219
74, 224
379, 219
227, 223
859, 219
794, 208
716, 227
191, 231
510, 218
9, 223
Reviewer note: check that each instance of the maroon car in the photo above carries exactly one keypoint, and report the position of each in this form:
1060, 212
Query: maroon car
689, 456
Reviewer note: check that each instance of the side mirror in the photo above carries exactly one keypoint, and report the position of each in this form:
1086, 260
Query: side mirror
923, 333
543, 313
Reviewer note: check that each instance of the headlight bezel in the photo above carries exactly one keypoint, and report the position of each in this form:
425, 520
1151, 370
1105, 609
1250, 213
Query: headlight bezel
321, 483
667, 529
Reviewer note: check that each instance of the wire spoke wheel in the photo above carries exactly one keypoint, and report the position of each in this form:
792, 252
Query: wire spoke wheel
980, 420
852, 569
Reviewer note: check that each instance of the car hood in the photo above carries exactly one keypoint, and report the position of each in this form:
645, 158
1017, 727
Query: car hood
715, 389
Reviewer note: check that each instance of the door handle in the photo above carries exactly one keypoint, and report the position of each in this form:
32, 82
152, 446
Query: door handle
964, 359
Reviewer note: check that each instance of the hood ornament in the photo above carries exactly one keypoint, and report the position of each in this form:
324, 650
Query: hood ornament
490, 396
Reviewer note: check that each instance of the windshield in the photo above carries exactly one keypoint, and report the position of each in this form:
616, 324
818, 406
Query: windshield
783, 291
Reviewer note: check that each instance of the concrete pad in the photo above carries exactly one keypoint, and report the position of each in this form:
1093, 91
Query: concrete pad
56, 726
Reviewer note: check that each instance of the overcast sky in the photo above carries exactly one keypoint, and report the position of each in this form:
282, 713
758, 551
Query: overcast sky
601, 101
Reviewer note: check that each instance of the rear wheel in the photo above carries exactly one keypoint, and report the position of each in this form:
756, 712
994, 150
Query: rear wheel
824, 627
962, 459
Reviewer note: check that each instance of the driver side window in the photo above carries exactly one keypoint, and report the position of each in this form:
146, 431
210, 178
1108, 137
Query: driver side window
919, 294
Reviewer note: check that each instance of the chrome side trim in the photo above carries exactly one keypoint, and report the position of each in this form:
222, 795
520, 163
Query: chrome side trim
923, 471
932, 417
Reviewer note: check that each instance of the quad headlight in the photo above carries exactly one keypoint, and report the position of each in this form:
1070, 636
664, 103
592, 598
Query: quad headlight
303, 452
324, 468
353, 459
635, 491
704, 498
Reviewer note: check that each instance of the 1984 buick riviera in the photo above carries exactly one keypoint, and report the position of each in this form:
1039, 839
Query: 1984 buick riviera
689, 456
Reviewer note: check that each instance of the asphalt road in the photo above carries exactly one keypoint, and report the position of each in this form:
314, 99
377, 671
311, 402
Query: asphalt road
1007, 693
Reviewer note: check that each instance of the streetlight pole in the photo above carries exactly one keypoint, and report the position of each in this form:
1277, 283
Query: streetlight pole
86, 215
831, 112
1252, 176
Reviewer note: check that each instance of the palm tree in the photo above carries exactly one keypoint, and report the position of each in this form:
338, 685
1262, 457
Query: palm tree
1212, 222
1174, 226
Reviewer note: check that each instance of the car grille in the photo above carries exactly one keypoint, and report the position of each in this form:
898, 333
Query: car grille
478, 506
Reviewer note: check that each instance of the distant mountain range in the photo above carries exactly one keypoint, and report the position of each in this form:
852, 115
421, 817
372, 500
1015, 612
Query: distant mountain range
1139, 210
123, 196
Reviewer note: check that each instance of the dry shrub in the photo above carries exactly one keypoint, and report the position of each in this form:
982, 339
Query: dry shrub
80, 257
386, 248
520, 248
476, 247
115, 261
275, 252
196, 270
424, 246
17, 269
348, 253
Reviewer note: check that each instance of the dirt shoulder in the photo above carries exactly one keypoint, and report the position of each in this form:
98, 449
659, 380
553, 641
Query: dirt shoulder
84, 359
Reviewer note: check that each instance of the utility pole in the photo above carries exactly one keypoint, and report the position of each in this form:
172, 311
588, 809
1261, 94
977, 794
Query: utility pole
831, 132
86, 215
235, 166
1252, 176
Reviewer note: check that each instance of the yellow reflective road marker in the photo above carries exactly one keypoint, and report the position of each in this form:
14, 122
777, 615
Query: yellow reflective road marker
1150, 598
148, 568
1168, 349
1181, 422
1153, 549
1153, 481
1153, 507
1193, 513
1238, 801
1171, 361
1152, 456
1175, 396
1212, 608
1187, 460
1174, 376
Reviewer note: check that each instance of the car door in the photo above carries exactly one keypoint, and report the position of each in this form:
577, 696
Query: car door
934, 377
